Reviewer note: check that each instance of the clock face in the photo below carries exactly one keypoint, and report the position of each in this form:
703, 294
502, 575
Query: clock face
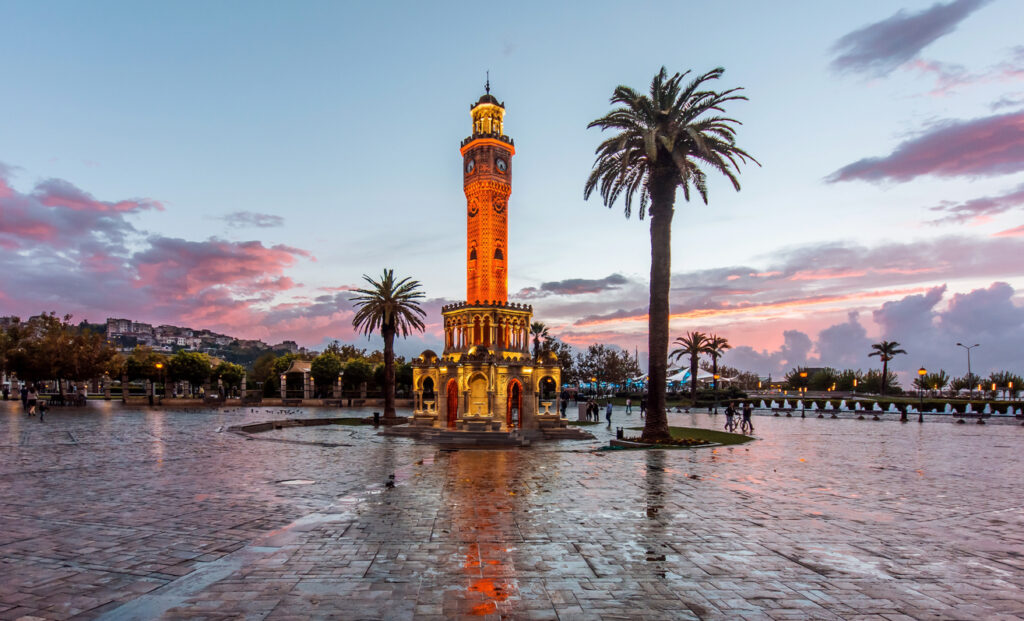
470, 165
502, 166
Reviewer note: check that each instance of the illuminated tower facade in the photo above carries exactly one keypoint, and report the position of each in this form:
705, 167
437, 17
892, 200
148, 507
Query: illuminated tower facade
487, 181
486, 379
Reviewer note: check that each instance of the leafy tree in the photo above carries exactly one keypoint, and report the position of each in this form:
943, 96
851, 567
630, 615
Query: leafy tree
1002, 380
967, 382
403, 376
263, 367
664, 142
845, 379
932, 381
823, 379
141, 364
190, 366
392, 307
566, 360
325, 369
50, 347
357, 372
886, 351
539, 331
794, 380
231, 374
873, 383
281, 364
692, 344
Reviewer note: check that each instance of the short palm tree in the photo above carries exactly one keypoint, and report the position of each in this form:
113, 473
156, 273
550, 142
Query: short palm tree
391, 307
716, 346
663, 142
692, 345
539, 331
886, 351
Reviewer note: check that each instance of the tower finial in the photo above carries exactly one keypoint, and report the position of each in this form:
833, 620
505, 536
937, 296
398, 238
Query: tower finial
487, 87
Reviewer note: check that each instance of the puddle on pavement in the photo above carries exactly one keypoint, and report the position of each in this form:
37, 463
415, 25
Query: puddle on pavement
296, 482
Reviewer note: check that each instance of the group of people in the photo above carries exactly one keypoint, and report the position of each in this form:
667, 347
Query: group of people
746, 424
594, 411
30, 401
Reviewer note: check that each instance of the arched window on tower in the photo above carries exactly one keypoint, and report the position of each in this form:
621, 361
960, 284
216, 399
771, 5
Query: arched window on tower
498, 254
472, 254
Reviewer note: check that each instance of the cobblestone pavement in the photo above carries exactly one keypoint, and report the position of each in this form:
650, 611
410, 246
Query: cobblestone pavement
136, 514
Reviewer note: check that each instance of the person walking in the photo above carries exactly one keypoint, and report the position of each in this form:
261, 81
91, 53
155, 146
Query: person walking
747, 425
608, 412
643, 406
31, 399
730, 411
629, 405
24, 397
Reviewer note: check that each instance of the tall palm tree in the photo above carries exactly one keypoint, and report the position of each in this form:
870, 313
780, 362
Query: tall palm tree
692, 345
716, 346
539, 331
886, 351
389, 306
663, 142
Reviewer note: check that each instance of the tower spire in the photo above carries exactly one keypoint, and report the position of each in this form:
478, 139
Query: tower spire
487, 87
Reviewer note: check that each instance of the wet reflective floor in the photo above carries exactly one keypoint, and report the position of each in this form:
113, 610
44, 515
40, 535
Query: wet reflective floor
143, 514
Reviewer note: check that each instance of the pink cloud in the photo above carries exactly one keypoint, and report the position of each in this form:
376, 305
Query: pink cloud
992, 145
980, 209
1017, 231
60, 193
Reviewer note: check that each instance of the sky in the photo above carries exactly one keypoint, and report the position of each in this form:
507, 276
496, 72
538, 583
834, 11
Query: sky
239, 166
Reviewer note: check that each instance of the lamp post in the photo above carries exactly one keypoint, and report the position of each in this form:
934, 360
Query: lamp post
803, 389
1009, 391
969, 375
920, 393
715, 377
855, 387
993, 391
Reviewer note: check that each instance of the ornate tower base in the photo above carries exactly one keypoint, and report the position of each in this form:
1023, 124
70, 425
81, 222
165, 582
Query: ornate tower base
486, 379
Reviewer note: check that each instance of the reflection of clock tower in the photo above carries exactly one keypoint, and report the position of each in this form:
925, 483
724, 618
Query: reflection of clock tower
487, 181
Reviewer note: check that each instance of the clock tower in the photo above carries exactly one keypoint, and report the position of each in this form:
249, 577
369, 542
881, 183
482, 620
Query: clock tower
485, 379
487, 181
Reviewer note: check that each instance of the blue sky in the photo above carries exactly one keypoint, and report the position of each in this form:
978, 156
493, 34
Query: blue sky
337, 125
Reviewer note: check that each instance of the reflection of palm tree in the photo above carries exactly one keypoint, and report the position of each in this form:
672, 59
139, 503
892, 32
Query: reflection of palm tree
886, 351
539, 331
691, 345
392, 308
664, 142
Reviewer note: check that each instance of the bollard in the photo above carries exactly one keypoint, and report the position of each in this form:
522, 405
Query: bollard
376, 419
618, 433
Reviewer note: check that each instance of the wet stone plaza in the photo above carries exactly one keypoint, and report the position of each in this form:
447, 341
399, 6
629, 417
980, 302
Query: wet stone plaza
116, 513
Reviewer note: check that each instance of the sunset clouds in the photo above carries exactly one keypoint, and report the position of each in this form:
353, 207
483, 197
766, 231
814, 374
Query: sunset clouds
881, 47
985, 146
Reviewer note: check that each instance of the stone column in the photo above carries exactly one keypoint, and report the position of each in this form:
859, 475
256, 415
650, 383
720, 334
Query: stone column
244, 377
362, 390
284, 386
337, 388
106, 387
307, 385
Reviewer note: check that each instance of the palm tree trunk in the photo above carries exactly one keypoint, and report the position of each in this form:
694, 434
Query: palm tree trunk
693, 377
662, 200
885, 376
389, 373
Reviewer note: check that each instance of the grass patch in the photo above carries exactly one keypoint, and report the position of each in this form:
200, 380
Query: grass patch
583, 423
706, 435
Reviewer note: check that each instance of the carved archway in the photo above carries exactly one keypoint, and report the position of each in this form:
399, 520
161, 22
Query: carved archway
453, 402
515, 402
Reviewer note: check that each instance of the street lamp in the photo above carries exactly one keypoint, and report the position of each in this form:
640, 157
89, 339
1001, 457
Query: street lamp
855, 387
920, 393
803, 389
969, 375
